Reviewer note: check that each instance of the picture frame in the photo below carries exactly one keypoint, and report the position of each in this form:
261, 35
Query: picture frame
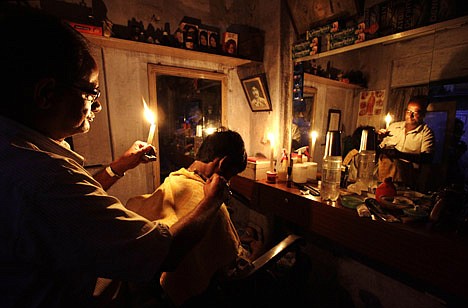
256, 91
334, 120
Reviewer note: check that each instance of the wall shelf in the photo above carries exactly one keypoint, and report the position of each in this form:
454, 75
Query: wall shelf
401, 36
330, 82
166, 51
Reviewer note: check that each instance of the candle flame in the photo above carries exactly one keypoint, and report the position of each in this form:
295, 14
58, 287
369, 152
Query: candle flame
271, 139
149, 115
313, 135
388, 118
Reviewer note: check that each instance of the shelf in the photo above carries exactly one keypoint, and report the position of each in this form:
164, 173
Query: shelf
329, 82
401, 36
165, 50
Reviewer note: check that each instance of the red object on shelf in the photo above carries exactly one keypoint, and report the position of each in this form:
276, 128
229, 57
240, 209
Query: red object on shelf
387, 189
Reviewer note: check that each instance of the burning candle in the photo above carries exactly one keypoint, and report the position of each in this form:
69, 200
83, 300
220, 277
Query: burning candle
388, 119
271, 139
313, 139
151, 118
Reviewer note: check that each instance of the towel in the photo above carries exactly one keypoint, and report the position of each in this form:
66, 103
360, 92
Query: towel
219, 248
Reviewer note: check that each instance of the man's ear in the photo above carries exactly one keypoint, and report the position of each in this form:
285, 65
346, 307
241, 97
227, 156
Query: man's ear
43, 92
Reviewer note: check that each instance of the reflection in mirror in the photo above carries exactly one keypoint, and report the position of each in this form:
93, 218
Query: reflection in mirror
302, 119
190, 107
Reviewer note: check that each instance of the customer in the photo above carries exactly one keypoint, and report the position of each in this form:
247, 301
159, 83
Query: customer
407, 145
59, 229
222, 152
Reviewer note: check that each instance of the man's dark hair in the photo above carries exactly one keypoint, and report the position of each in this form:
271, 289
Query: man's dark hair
37, 46
224, 143
422, 100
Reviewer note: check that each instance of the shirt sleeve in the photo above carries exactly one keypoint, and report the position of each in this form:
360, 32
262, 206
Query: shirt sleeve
77, 224
428, 140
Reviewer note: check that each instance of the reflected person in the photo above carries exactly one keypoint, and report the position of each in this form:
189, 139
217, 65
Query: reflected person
406, 145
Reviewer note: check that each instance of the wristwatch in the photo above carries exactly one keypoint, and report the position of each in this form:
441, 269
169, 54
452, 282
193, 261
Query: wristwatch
112, 173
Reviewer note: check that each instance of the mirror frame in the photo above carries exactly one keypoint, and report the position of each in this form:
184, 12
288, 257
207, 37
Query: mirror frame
157, 69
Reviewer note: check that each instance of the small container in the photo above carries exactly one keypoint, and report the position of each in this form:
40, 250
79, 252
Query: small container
271, 176
387, 189
299, 173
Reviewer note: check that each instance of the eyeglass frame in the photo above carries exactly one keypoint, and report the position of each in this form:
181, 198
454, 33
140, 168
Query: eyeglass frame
410, 112
91, 95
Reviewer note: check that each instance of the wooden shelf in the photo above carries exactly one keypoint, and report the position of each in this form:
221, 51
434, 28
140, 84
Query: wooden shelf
166, 51
330, 82
401, 36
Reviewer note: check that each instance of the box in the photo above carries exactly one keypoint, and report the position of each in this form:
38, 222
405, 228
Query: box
229, 43
211, 35
83, 28
189, 27
256, 170
251, 41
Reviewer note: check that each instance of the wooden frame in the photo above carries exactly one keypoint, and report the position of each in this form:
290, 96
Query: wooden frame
256, 91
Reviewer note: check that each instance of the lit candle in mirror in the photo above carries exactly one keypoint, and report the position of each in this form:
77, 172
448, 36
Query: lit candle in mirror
313, 139
388, 119
151, 118
271, 139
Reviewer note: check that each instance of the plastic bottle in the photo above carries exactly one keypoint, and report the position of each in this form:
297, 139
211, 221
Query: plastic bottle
331, 168
387, 189
283, 167
331, 176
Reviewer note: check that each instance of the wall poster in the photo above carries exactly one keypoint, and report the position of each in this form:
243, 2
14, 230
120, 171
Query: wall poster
371, 109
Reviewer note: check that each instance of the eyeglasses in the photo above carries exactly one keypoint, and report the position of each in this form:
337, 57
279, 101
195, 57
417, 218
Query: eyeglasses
89, 94
410, 112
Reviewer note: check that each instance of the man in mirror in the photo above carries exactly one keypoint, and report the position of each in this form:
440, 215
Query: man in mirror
406, 145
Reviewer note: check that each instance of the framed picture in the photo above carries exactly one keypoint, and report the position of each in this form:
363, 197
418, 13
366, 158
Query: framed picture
256, 90
334, 120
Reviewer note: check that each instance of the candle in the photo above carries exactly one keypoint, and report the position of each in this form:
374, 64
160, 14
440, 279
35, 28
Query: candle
313, 139
271, 140
388, 119
151, 118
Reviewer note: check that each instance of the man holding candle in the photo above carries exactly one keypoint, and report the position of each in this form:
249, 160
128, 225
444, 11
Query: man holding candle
407, 145
60, 230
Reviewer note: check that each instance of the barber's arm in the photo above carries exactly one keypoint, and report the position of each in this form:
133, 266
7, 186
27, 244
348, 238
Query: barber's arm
135, 155
421, 158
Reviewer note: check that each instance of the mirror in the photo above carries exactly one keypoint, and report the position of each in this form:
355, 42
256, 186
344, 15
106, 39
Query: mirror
303, 119
190, 105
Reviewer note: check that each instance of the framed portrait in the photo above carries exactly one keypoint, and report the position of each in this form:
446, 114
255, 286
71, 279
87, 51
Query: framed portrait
256, 91
334, 120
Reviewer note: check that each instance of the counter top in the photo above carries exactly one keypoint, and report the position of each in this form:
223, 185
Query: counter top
413, 252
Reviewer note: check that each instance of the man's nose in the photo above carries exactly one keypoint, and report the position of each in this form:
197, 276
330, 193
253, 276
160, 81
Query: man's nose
96, 106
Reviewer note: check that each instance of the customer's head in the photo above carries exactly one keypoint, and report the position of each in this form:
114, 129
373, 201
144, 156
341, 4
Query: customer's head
416, 110
224, 143
51, 77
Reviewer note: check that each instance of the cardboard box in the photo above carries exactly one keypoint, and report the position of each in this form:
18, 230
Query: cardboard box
256, 170
211, 34
89, 29
229, 44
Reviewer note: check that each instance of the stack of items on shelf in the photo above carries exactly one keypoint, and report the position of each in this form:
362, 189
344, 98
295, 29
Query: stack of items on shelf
382, 19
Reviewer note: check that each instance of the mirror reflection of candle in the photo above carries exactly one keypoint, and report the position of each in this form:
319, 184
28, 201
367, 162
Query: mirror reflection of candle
151, 118
271, 139
388, 119
313, 139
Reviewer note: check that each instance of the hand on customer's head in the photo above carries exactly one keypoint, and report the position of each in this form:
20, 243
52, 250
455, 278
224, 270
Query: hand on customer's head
215, 188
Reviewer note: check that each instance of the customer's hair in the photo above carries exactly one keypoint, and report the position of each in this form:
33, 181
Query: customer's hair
37, 46
224, 143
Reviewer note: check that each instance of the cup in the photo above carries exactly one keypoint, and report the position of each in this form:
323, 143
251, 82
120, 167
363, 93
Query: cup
299, 173
271, 176
311, 171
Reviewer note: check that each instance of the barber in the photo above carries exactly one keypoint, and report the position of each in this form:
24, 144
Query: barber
406, 145
59, 229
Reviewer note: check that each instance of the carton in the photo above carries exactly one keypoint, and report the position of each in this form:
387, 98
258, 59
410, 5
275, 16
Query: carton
256, 170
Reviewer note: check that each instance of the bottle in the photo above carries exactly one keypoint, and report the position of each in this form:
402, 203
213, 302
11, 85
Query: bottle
387, 189
331, 169
283, 167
